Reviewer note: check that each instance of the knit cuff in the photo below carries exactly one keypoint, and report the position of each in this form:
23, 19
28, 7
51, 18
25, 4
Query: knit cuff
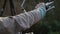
42, 11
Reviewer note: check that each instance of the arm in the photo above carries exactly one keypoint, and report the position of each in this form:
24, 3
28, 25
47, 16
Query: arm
27, 19
24, 20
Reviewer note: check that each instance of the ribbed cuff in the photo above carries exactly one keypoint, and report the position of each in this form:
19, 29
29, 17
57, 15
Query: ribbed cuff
42, 11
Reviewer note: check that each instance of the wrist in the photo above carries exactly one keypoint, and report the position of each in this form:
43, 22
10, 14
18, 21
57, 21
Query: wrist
42, 11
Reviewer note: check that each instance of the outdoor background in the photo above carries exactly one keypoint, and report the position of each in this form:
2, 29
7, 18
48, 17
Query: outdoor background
50, 24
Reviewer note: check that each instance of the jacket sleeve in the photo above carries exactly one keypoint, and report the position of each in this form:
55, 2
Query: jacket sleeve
22, 21
27, 19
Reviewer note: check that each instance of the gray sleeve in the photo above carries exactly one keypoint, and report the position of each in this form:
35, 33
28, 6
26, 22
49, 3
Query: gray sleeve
7, 25
22, 21
27, 19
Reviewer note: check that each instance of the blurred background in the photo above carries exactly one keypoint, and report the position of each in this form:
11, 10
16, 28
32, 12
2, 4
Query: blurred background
50, 24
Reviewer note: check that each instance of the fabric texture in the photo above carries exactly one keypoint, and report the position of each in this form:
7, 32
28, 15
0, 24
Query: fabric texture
22, 21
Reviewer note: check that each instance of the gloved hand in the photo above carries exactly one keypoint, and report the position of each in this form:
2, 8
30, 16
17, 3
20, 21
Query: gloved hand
47, 5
